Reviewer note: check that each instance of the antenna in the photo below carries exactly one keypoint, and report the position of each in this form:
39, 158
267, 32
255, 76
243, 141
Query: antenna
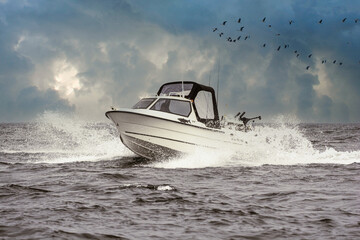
217, 88
182, 87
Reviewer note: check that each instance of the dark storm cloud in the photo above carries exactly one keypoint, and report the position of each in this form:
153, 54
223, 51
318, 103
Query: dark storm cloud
178, 16
112, 52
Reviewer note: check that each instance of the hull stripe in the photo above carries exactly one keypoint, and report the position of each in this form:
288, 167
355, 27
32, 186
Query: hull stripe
170, 139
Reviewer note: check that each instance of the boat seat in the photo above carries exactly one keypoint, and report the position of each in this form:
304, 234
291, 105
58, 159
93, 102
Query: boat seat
165, 106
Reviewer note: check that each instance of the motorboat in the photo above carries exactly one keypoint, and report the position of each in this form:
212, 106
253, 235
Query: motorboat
181, 118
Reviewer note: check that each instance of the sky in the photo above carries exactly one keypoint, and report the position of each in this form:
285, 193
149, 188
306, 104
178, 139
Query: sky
81, 57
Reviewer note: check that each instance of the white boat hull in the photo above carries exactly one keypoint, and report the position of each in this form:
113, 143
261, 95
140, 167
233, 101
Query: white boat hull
156, 137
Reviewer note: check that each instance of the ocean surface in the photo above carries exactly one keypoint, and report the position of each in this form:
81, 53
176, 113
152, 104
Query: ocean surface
62, 178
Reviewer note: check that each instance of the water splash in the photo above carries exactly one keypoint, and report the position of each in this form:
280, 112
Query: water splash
59, 138
281, 143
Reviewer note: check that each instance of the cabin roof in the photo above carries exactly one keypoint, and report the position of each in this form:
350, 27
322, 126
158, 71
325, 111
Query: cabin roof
195, 88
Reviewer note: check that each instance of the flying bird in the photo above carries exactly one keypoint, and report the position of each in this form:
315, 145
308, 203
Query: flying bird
334, 61
291, 21
344, 20
224, 22
340, 63
297, 55
264, 19
295, 51
221, 34
214, 29
242, 28
321, 21
239, 20
356, 20
323, 61
279, 48
286, 45
248, 36
310, 56
307, 68
278, 34
264, 45
269, 26
238, 38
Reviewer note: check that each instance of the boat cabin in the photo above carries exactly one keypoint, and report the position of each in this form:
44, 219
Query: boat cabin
177, 98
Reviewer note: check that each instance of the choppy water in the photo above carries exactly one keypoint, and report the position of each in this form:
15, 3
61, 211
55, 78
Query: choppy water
62, 178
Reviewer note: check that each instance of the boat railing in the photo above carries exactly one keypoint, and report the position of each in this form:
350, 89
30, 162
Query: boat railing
239, 122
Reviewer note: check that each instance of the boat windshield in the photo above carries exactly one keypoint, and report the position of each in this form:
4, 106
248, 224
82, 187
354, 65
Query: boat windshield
176, 89
177, 107
144, 103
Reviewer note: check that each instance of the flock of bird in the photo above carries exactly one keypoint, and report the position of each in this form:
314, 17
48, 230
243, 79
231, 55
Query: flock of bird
241, 30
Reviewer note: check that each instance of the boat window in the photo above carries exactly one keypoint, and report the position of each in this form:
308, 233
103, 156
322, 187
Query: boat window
144, 103
204, 105
176, 89
173, 106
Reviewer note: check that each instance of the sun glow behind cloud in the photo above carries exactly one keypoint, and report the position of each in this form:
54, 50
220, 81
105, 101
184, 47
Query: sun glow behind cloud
66, 78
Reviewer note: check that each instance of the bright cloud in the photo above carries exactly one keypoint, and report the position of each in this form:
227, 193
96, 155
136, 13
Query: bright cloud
66, 79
